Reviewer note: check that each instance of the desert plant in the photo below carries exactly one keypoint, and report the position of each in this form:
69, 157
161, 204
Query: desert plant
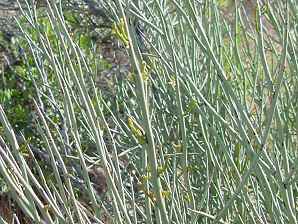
203, 128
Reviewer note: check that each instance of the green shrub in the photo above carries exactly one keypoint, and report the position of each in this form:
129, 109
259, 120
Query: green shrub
202, 127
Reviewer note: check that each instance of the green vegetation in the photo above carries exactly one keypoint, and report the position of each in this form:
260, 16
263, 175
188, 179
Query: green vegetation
193, 119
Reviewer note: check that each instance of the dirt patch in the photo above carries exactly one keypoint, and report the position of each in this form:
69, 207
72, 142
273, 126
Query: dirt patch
10, 211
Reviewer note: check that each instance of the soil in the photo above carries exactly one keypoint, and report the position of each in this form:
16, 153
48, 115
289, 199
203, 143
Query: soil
10, 211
